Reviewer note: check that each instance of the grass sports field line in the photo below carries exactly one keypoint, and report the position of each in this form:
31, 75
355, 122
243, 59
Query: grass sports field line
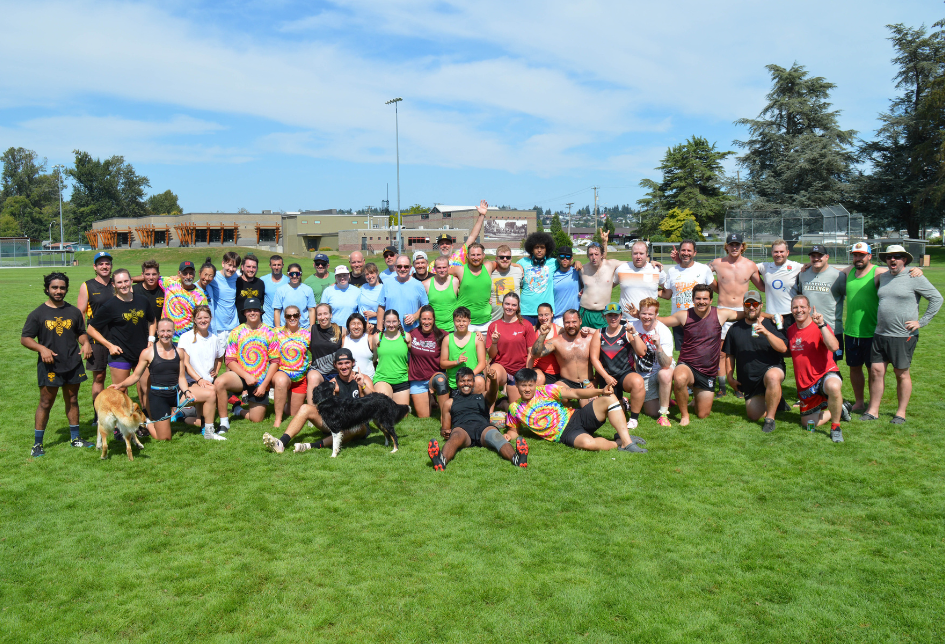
721, 533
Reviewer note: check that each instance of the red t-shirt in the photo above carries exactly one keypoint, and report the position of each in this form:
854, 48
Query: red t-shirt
812, 359
515, 341
424, 356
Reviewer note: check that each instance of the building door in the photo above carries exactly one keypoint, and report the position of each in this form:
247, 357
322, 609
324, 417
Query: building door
364, 243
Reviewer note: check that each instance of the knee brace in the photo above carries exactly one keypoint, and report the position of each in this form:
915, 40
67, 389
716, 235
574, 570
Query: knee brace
440, 385
494, 439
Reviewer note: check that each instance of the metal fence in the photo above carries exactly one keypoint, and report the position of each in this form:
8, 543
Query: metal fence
19, 253
801, 228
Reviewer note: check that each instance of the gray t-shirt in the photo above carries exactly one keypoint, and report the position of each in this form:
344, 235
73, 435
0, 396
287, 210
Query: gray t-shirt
899, 303
825, 290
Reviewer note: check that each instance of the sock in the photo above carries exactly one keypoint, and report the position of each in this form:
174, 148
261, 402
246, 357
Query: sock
834, 426
225, 421
284, 439
38, 436
318, 444
634, 416
207, 429
237, 410
664, 411
73, 432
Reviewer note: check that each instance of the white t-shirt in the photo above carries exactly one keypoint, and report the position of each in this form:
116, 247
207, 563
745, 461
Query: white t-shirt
660, 337
363, 357
637, 284
681, 280
780, 285
202, 353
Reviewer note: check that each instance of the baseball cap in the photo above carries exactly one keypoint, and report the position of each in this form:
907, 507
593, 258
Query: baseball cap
101, 255
251, 303
341, 270
185, 265
861, 247
752, 295
390, 249
444, 238
819, 249
419, 254
344, 354
321, 257
613, 307
565, 251
734, 238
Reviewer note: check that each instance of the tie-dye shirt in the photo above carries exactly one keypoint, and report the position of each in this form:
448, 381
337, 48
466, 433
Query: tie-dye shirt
293, 352
459, 255
543, 414
252, 349
179, 304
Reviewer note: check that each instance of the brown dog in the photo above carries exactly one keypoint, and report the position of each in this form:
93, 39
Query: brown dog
116, 409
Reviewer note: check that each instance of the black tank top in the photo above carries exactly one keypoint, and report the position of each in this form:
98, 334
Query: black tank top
164, 372
323, 347
702, 342
98, 295
348, 389
615, 352
469, 412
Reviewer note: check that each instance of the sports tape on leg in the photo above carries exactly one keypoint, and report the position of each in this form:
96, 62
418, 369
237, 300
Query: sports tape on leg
494, 439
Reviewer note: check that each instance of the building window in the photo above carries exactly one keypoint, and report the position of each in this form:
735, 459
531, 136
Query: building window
267, 234
447, 215
417, 240
354, 222
426, 216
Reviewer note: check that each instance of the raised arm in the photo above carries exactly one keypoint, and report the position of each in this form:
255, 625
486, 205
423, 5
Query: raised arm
483, 208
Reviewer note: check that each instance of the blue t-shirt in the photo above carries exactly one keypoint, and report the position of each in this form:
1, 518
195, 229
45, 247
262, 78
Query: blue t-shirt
370, 296
342, 303
271, 288
222, 292
405, 298
388, 275
538, 285
302, 297
567, 288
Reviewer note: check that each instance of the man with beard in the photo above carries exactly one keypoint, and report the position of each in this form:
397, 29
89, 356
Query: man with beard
248, 285
638, 279
778, 281
506, 278
598, 276
475, 287
754, 352
681, 279
271, 284
421, 267
538, 282
356, 262
570, 348
321, 279
181, 295
92, 295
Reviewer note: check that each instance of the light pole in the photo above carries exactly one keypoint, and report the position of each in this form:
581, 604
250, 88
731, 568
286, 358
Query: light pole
50, 233
400, 241
59, 168
569, 218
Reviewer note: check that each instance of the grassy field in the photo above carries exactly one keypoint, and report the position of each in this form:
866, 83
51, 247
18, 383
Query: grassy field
720, 534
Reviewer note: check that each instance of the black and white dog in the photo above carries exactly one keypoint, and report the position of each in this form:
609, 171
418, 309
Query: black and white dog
341, 413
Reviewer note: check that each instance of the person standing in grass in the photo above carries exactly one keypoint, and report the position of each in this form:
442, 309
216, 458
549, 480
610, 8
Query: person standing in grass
390, 257
538, 282
778, 281
568, 285
681, 279
92, 295
248, 285
181, 297
342, 296
369, 296
598, 276
55, 330
356, 262
897, 328
475, 286
813, 345
321, 279
443, 293
506, 278
295, 293
271, 284
289, 382
403, 293
222, 294
638, 279
391, 353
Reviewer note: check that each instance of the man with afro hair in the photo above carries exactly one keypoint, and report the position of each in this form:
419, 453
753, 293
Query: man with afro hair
538, 282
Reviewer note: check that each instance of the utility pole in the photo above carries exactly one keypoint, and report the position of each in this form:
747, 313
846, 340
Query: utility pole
738, 183
569, 218
595, 209
400, 223
59, 168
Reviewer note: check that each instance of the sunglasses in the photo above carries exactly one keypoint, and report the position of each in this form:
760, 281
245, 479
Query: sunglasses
321, 263
752, 305
293, 316
888, 257
593, 245
403, 265
295, 274
503, 257
564, 256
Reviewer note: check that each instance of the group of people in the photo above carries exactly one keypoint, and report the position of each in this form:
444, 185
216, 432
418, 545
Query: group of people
533, 346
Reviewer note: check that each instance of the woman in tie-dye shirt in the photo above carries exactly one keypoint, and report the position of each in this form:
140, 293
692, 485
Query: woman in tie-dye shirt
293, 365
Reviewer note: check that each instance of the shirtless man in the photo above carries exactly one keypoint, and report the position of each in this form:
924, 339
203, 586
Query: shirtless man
734, 275
571, 349
598, 277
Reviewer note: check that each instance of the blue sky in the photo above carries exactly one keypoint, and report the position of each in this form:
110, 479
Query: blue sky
280, 105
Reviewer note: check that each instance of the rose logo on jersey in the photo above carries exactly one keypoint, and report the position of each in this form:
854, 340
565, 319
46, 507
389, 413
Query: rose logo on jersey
58, 325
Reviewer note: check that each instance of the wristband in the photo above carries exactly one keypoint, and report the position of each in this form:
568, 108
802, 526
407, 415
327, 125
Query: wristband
151, 339
820, 326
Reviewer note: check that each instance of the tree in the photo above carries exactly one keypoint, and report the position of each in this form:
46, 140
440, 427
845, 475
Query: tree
562, 239
676, 221
105, 189
797, 154
21, 173
164, 203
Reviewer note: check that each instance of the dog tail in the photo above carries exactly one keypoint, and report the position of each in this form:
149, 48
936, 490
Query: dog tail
402, 411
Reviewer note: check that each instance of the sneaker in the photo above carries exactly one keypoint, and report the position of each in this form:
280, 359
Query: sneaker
768, 427
273, 443
37, 451
663, 421
845, 409
632, 447
213, 436
632, 423
78, 442
866, 417
521, 453
836, 435
302, 447
433, 449
223, 429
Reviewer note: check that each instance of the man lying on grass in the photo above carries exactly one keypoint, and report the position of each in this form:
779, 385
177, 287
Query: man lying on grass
540, 410
471, 425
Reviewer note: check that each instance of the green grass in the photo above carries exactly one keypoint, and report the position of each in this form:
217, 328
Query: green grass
719, 534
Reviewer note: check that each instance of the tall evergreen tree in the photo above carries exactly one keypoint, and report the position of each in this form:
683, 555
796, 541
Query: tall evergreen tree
797, 154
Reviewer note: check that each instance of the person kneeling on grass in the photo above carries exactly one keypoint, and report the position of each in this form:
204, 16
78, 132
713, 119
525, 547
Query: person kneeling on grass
349, 383
471, 425
540, 410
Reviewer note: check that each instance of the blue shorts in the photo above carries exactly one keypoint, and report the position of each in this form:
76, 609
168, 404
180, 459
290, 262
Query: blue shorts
419, 387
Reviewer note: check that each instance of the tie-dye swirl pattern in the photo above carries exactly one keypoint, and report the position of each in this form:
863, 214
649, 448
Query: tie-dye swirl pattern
544, 414
253, 349
179, 304
293, 352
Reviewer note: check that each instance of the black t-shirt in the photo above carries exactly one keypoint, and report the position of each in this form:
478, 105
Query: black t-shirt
57, 329
469, 412
156, 297
753, 356
125, 324
357, 280
323, 347
248, 288
348, 389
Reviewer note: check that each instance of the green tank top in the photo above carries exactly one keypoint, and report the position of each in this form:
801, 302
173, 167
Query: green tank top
474, 293
391, 360
862, 304
472, 358
443, 303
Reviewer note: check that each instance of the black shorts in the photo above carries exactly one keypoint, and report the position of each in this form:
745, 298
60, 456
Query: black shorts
757, 387
570, 383
583, 421
787, 320
252, 397
99, 359
677, 337
896, 351
619, 386
161, 402
858, 351
400, 386
47, 378
701, 380
475, 434
551, 378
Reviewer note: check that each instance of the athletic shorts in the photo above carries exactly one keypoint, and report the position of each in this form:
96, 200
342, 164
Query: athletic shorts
551, 378
858, 351
813, 399
300, 387
122, 364
162, 402
475, 433
400, 386
583, 421
896, 351
479, 328
47, 378
754, 388
252, 397
618, 388
651, 384
99, 359
728, 325
418, 387
593, 319
570, 383
701, 380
